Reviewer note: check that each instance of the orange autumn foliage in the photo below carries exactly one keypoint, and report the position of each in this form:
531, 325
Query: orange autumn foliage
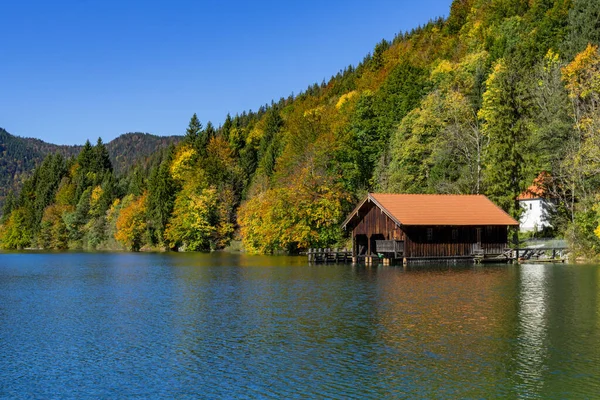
131, 223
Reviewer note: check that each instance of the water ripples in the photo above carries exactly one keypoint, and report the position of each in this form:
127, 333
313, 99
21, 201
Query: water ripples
223, 326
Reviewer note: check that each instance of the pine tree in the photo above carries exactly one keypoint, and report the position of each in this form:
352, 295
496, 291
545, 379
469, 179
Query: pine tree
504, 123
226, 128
101, 159
86, 156
137, 183
269, 143
204, 139
193, 131
584, 26
10, 203
162, 190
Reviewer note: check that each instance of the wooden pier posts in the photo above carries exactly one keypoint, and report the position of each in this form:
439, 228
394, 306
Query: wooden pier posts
329, 256
337, 256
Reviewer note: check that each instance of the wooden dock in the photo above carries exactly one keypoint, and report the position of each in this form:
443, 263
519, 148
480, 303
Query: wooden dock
329, 255
540, 254
345, 256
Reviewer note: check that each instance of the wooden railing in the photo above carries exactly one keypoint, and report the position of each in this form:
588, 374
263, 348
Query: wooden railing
389, 246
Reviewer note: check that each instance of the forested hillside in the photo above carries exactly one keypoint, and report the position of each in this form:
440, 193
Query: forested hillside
20, 156
480, 102
137, 148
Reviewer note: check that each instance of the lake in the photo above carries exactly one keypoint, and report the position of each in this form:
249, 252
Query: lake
233, 326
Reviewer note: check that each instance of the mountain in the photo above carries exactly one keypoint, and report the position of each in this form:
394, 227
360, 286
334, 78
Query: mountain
19, 156
132, 148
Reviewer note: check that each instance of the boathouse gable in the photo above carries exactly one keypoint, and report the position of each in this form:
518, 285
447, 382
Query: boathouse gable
372, 220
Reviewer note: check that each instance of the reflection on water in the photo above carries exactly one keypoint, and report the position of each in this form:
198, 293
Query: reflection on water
447, 327
221, 325
532, 339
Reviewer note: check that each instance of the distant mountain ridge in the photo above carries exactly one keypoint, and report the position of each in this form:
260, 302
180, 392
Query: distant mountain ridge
130, 149
20, 155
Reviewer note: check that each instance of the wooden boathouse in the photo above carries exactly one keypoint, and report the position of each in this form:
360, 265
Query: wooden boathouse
427, 227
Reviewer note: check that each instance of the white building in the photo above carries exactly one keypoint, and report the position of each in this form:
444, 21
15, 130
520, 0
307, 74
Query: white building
535, 214
536, 207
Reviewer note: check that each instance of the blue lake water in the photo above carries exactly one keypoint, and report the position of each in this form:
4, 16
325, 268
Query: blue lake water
235, 326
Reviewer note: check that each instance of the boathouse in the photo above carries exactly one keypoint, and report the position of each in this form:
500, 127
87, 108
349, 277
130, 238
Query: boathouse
423, 226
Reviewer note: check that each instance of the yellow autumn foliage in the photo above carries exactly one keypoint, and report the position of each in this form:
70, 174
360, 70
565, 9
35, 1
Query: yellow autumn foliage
95, 197
182, 162
193, 223
131, 222
65, 193
582, 75
314, 112
305, 213
345, 98
582, 80
255, 134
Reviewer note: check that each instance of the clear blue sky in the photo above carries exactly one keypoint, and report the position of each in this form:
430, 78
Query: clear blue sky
73, 70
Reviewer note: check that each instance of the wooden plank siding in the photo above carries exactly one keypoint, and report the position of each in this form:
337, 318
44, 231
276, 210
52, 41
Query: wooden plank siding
376, 222
413, 249
449, 241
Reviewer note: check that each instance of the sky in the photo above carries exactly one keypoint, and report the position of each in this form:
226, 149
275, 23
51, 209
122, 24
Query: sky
83, 69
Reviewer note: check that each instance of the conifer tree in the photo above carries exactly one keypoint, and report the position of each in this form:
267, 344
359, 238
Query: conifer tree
504, 123
193, 131
584, 26
86, 156
204, 139
101, 159
10, 203
269, 143
226, 128
162, 190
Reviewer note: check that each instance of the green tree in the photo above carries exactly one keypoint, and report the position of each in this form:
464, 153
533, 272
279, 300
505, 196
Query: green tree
503, 115
10, 203
100, 158
377, 115
269, 147
86, 156
193, 130
14, 233
54, 234
162, 191
584, 26
194, 220
39, 191
226, 128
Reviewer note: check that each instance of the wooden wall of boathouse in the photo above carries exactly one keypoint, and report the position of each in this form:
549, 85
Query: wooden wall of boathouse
453, 241
425, 241
376, 222
373, 225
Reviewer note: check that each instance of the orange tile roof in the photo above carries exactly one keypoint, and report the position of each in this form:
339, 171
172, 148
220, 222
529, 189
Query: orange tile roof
538, 188
442, 209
